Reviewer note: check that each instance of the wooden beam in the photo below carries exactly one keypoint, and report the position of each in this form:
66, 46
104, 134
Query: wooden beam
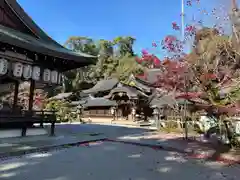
31, 95
15, 98
16, 57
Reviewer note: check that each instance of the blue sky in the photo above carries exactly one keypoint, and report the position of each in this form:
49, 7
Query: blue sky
147, 21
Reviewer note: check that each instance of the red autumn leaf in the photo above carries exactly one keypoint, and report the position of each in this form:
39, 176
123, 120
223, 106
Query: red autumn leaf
175, 26
144, 52
154, 44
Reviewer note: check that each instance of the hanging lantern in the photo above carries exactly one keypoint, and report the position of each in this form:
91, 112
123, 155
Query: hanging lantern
27, 71
54, 77
3, 66
46, 75
18, 69
36, 73
60, 78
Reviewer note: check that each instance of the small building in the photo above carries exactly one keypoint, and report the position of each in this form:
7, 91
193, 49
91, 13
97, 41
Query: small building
98, 107
95, 104
127, 98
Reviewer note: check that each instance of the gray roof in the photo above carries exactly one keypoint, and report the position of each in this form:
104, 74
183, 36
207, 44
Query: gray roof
103, 85
78, 103
61, 96
165, 100
133, 82
151, 76
94, 102
99, 102
130, 91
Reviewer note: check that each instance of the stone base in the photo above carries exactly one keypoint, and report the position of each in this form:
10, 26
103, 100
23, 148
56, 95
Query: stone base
10, 133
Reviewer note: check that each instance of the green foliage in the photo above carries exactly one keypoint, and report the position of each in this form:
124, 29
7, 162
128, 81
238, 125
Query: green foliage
62, 109
82, 44
127, 66
125, 45
115, 59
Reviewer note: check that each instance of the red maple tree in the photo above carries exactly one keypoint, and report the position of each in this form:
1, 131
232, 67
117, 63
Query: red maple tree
209, 72
148, 60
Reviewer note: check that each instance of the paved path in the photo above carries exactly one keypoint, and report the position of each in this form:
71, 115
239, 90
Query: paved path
65, 134
113, 161
70, 133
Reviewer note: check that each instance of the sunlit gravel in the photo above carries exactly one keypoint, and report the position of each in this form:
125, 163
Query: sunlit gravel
113, 161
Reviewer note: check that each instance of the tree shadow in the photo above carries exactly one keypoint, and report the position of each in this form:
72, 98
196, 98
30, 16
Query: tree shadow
112, 160
144, 155
194, 146
112, 131
169, 141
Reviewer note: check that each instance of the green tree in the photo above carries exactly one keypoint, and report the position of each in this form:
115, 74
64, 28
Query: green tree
115, 59
127, 66
124, 45
103, 68
82, 44
75, 79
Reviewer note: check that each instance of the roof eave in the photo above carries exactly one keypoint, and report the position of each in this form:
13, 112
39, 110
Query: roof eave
29, 23
79, 61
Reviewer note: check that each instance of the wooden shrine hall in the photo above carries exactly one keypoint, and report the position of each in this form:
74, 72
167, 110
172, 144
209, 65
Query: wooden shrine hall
29, 54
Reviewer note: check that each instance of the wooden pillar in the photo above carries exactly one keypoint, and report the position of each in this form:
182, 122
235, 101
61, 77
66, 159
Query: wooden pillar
31, 95
15, 97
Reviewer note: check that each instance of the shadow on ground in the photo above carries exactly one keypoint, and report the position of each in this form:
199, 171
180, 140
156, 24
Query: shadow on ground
116, 161
174, 142
113, 161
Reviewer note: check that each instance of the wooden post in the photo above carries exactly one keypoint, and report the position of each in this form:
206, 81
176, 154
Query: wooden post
52, 133
42, 118
24, 130
15, 98
31, 95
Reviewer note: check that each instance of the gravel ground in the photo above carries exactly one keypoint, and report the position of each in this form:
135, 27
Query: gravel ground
113, 161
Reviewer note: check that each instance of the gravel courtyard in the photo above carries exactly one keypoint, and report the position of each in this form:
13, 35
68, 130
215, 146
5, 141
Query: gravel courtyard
112, 161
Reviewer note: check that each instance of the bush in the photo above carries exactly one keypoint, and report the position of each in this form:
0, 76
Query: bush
170, 126
62, 109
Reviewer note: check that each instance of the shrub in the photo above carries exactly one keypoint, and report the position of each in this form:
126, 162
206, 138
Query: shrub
62, 109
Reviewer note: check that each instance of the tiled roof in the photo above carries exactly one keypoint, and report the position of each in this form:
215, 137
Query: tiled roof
103, 85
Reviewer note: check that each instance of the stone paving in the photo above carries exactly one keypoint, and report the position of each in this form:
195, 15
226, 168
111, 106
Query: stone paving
113, 161
72, 133
195, 147
65, 134
18, 146
108, 160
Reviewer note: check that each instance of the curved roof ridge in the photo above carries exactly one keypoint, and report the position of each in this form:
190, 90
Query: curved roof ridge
28, 21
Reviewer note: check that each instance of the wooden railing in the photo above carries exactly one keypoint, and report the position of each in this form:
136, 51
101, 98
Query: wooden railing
26, 119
